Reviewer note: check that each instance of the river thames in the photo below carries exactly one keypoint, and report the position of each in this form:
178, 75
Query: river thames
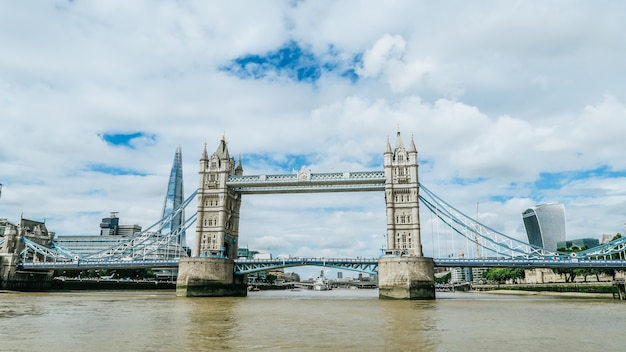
337, 320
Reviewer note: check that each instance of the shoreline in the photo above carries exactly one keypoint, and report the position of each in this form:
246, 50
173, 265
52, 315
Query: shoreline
546, 293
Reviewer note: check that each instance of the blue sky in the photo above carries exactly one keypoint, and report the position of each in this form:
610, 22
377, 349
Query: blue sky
510, 104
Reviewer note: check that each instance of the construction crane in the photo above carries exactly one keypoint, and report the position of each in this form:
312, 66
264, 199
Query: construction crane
476, 233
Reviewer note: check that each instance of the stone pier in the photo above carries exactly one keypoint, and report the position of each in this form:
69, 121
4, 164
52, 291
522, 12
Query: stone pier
406, 277
10, 277
209, 277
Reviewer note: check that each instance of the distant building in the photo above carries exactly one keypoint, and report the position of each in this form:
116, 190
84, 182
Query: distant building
111, 234
581, 243
245, 253
606, 238
3, 225
174, 198
110, 225
461, 275
128, 230
545, 225
262, 256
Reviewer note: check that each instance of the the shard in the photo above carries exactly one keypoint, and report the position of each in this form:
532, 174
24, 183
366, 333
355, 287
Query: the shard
174, 199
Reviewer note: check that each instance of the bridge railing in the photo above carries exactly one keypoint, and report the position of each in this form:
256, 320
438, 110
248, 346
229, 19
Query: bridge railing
528, 263
365, 265
100, 264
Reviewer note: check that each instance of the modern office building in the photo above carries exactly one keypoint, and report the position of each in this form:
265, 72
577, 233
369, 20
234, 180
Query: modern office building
545, 225
111, 234
580, 244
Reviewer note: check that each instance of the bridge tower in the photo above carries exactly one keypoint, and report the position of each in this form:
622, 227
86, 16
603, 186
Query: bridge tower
401, 197
403, 271
217, 226
210, 270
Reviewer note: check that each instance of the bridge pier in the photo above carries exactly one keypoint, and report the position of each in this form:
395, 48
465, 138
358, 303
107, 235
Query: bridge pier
13, 279
406, 277
10, 277
209, 277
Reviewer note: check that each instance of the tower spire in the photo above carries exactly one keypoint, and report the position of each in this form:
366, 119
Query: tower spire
399, 143
412, 148
174, 198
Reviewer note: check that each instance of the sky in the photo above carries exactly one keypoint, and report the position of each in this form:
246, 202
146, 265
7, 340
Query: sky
510, 104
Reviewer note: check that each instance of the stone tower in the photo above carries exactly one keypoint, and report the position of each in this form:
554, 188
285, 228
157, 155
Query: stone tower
403, 272
217, 227
210, 272
401, 197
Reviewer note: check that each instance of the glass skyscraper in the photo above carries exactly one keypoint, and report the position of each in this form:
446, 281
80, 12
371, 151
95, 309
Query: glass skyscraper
174, 198
545, 225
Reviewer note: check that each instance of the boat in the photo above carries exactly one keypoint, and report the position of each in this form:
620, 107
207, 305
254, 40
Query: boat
321, 283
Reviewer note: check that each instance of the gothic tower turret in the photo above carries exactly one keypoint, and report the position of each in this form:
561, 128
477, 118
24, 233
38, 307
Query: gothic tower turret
217, 227
401, 197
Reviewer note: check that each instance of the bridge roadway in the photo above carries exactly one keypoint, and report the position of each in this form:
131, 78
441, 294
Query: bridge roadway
365, 265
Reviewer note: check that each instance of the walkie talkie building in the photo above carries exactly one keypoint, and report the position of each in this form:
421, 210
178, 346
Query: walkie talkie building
545, 225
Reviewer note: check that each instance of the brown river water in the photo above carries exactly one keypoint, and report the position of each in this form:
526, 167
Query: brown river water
337, 320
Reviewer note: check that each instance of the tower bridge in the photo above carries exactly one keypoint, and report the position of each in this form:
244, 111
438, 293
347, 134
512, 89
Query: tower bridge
213, 268
403, 272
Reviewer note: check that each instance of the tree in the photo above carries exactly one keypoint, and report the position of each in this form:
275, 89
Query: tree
444, 279
270, 278
568, 273
502, 275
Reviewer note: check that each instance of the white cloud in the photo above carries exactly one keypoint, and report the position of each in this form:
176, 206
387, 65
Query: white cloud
386, 58
387, 50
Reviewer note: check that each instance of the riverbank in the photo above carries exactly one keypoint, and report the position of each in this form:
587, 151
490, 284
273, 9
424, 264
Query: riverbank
548, 293
99, 284
582, 290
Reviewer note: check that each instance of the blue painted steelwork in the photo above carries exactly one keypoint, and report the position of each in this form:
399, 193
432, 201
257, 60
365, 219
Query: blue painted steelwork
101, 264
47, 252
610, 249
528, 263
494, 243
499, 245
143, 245
364, 265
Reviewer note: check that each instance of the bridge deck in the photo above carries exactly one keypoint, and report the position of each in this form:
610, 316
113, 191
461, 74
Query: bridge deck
366, 265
